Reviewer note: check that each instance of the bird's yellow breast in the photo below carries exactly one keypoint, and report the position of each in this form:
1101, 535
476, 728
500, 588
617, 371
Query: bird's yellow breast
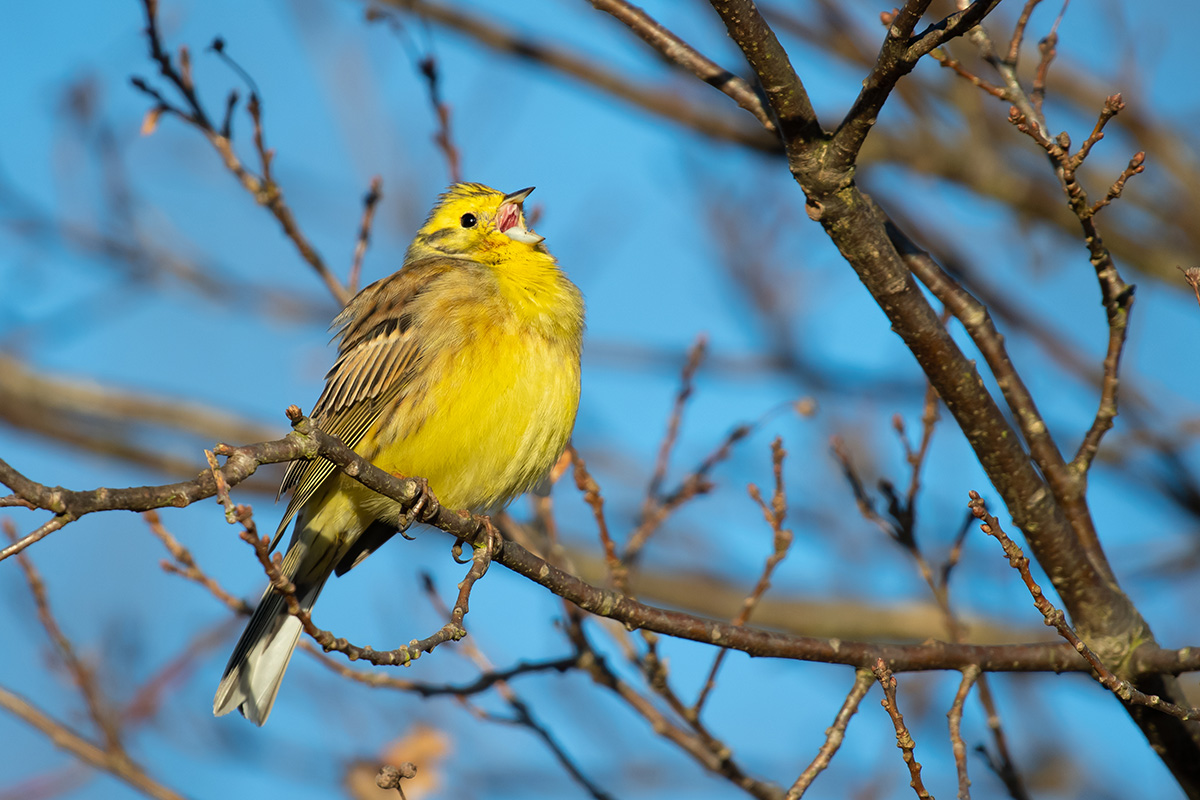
500, 386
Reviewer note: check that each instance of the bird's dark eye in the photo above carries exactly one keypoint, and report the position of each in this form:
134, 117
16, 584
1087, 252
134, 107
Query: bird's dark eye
468, 220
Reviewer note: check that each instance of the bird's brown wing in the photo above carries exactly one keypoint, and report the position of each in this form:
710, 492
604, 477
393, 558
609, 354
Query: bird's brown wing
378, 353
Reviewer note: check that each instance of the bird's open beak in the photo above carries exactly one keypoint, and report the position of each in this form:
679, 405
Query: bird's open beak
510, 218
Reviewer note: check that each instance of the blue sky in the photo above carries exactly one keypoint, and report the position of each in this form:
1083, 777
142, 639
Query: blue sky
632, 208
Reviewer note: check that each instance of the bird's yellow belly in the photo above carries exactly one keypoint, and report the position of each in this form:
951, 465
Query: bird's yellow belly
506, 410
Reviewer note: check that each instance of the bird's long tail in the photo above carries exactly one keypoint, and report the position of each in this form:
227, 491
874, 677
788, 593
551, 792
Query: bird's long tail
255, 670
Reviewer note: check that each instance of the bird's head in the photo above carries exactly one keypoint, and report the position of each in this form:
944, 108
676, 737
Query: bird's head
476, 221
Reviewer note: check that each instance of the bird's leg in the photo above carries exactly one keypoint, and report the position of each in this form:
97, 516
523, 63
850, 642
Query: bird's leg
423, 509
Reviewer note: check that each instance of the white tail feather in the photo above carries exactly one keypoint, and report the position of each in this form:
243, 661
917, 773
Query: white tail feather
260, 659
251, 688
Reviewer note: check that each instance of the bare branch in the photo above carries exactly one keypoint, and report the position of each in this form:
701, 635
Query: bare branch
1192, 276
664, 102
262, 187
695, 357
680, 52
618, 573
797, 120
63, 737
863, 680
897, 57
775, 514
445, 142
904, 739
370, 202
523, 714
1057, 620
970, 675
308, 441
689, 740
100, 712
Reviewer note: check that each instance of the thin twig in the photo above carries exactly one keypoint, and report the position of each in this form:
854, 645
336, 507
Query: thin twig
1018, 34
63, 737
665, 102
265, 190
696, 482
1057, 620
1192, 276
904, 739
901, 526
617, 571
1048, 49
41, 532
99, 710
486, 681
428, 67
970, 675
663, 725
655, 671
898, 55
452, 630
695, 357
834, 734
370, 202
523, 715
679, 52
1136, 166
1067, 481
775, 515
944, 58
185, 565
976, 320
654, 507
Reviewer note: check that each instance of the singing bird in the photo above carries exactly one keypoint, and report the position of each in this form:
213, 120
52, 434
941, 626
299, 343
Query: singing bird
461, 368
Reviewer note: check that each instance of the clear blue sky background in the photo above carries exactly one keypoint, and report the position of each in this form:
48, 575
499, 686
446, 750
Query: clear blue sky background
631, 206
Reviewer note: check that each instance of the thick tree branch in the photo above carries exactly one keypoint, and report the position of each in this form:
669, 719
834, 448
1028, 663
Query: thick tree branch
897, 57
1105, 616
797, 120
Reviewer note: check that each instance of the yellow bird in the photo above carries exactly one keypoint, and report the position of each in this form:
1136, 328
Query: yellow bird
461, 368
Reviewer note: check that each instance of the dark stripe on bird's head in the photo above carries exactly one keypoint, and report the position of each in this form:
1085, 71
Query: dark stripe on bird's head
432, 238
